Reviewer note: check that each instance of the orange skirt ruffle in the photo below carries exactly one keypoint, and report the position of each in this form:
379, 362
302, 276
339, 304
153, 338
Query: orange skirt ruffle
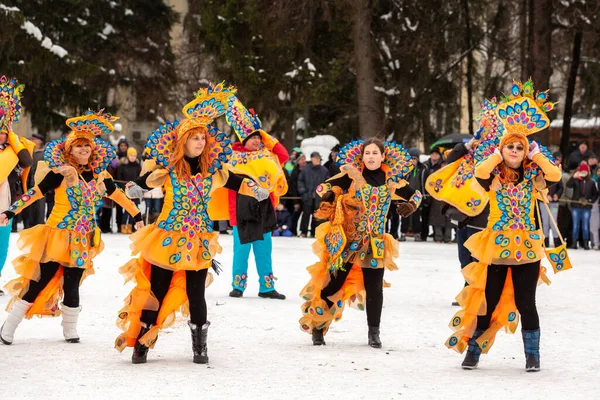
42, 244
473, 303
316, 313
175, 250
510, 247
149, 241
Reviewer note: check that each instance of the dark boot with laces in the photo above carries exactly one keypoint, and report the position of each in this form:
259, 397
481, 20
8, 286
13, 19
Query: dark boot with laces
317, 337
199, 339
273, 294
374, 340
140, 352
531, 342
474, 351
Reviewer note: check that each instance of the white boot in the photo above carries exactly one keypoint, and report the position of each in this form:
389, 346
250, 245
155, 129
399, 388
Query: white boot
17, 312
69, 323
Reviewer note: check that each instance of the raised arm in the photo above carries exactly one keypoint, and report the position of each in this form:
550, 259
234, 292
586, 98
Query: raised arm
483, 171
116, 194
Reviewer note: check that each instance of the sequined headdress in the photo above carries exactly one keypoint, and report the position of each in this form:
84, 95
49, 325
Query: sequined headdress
243, 121
396, 163
209, 104
524, 111
89, 126
10, 102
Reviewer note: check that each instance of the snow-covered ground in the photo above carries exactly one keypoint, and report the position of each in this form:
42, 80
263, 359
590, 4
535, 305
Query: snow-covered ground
257, 350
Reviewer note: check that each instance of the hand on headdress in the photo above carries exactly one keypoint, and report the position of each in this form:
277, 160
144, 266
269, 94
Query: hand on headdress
497, 151
533, 150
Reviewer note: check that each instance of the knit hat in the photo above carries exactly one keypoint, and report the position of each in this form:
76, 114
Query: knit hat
583, 167
131, 152
414, 152
315, 154
436, 149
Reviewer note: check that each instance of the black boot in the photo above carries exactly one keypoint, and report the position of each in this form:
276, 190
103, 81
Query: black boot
273, 294
374, 340
531, 342
140, 352
472, 358
236, 293
318, 338
547, 242
557, 242
199, 338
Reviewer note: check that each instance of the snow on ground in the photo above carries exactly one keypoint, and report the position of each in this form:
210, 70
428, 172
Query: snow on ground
257, 350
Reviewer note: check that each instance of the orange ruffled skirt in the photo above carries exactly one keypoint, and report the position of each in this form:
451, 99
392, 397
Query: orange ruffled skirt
153, 245
492, 247
42, 244
316, 313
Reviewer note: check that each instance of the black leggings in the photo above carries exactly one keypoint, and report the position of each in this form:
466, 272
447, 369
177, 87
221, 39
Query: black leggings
160, 280
373, 278
525, 279
71, 281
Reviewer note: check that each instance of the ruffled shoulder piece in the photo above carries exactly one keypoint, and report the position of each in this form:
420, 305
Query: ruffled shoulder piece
161, 146
396, 164
102, 155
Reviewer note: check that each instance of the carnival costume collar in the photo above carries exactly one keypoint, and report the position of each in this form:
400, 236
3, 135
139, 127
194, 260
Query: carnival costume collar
10, 102
88, 126
210, 103
396, 163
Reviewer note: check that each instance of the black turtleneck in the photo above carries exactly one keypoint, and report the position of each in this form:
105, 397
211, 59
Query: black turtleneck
373, 178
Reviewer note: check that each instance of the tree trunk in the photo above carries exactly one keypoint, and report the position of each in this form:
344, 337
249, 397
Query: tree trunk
469, 71
566, 128
523, 37
541, 49
370, 107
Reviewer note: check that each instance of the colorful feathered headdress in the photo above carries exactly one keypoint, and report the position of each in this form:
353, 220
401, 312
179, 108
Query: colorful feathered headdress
524, 111
243, 121
88, 126
209, 104
10, 102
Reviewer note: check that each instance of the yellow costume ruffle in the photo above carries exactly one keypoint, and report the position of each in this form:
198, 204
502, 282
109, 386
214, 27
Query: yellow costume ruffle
473, 303
507, 247
316, 313
42, 244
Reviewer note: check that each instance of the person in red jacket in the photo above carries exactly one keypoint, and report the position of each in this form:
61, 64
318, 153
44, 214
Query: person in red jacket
260, 157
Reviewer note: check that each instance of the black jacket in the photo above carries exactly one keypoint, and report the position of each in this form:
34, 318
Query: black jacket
127, 171
309, 179
254, 218
583, 189
283, 218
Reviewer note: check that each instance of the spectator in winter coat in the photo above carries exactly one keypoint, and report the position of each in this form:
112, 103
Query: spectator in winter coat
595, 216
585, 195
583, 154
308, 181
284, 221
419, 220
129, 170
296, 204
554, 193
435, 160
35, 214
291, 163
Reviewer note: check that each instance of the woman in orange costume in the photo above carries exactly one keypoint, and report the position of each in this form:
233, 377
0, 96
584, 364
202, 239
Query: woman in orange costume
58, 255
502, 283
353, 248
188, 160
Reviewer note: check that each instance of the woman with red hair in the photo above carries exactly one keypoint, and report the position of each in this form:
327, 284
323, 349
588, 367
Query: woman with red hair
503, 280
58, 254
188, 159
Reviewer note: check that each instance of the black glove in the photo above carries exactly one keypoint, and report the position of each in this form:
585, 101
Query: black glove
328, 197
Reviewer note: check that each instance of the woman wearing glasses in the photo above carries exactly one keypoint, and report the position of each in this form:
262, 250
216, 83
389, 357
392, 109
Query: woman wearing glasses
502, 283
